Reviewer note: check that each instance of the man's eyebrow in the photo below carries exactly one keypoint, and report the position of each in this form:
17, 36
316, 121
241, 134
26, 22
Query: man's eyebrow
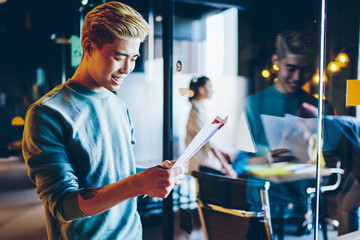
126, 55
297, 66
291, 65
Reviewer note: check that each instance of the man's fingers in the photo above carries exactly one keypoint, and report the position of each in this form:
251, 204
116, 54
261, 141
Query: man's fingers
178, 174
177, 170
279, 151
167, 163
310, 108
283, 158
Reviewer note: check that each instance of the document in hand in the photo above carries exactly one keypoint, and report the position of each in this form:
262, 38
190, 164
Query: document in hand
200, 139
293, 133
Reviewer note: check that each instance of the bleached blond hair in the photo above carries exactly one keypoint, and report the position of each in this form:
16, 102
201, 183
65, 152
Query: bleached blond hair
113, 20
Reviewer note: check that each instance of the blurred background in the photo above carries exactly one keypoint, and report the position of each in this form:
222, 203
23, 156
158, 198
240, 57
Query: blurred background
230, 41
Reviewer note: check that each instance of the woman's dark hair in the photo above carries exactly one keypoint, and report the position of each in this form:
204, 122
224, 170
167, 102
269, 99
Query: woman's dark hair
195, 83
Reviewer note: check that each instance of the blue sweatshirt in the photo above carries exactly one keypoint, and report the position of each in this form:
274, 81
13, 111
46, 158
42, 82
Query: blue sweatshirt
272, 102
76, 138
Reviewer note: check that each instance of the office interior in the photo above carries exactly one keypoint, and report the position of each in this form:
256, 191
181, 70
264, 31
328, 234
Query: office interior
229, 41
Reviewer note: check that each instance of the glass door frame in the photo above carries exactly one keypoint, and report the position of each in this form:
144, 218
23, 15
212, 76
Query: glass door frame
167, 41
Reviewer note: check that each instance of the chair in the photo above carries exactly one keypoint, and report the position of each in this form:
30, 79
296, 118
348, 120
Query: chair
331, 178
233, 208
334, 172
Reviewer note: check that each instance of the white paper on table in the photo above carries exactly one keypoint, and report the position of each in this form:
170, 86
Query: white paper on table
243, 138
202, 137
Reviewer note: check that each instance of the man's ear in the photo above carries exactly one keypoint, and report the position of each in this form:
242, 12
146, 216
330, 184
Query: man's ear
87, 46
275, 60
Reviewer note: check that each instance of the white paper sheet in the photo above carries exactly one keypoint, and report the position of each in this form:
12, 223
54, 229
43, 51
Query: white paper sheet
200, 139
243, 138
292, 133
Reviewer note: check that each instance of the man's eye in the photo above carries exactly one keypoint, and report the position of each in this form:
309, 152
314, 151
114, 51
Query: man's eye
133, 59
120, 59
291, 69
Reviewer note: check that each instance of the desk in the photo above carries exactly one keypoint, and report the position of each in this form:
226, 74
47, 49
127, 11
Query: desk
285, 172
288, 190
289, 193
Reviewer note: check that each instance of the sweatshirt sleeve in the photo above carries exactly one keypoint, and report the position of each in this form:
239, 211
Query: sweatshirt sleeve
44, 151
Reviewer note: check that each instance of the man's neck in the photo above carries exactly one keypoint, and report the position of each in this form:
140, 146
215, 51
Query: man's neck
82, 77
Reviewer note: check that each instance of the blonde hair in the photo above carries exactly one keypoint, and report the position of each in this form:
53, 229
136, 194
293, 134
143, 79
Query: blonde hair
294, 42
113, 20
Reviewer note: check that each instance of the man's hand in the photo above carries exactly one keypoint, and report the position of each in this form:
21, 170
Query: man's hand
307, 110
230, 172
158, 181
276, 156
229, 157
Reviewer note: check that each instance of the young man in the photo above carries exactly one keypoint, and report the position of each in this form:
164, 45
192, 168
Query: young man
78, 138
296, 59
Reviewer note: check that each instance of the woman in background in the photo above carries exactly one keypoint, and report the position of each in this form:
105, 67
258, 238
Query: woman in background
208, 158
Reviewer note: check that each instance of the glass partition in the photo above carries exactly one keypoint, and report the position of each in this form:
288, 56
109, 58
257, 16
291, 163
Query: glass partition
340, 132
205, 44
268, 86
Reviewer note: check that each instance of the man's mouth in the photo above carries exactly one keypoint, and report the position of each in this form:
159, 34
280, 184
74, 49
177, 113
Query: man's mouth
117, 80
294, 84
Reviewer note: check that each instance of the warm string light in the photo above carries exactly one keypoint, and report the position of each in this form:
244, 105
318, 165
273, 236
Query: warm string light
341, 61
275, 67
333, 67
316, 78
265, 73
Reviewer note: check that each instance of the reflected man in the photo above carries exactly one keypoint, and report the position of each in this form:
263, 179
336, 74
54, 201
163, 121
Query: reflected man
296, 59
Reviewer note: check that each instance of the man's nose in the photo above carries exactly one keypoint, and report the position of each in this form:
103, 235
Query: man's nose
298, 74
127, 67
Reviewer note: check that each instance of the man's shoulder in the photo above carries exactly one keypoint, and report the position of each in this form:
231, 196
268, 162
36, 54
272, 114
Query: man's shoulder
61, 100
50, 95
261, 95
44, 101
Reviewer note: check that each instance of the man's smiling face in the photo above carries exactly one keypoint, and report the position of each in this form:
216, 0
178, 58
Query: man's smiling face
294, 71
109, 65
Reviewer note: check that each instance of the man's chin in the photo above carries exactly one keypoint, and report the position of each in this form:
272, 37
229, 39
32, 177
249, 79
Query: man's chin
113, 88
293, 89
